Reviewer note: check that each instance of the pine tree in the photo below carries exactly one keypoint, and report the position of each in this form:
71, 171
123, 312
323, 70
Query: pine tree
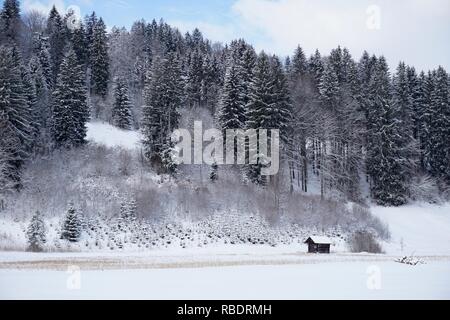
386, 161
169, 164
316, 67
439, 134
72, 227
57, 41
299, 65
99, 59
41, 50
259, 110
121, 112
128, 209
70, 109
232, 104
80, 45
214, 174
329, 89
163, 96
36, 233
10, 22
15, 111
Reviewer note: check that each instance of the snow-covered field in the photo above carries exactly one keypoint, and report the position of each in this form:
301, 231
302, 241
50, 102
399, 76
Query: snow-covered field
246, 272
357, 280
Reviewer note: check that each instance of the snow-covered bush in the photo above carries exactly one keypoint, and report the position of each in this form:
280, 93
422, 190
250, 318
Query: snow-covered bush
364, 241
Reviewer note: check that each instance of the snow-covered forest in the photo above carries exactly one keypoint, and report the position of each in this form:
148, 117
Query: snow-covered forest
351, 130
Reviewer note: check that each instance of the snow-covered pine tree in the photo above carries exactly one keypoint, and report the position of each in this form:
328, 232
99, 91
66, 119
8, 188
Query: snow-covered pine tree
195, 78
14, 110
299, 65
316, 67
281, 111
231, 106
439, 135
10, 22
72, 225
121, 112
214, 174
36, 233
258, 109
41, 50
424, 113
57, 41
385, 158
128, 209
80, 44
163, 96
99, 59
169, 164
70, 109
329, 89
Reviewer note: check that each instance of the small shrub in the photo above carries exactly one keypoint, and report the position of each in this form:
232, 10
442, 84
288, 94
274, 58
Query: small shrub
363, 241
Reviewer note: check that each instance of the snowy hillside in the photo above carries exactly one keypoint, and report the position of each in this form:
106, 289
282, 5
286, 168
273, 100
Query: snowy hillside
417, 229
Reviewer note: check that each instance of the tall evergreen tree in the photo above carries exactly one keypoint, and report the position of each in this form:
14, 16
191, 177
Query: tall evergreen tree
121, 111
15, 111
99, 59
70, 109
57, 41
386, 163
439, 134
10, 22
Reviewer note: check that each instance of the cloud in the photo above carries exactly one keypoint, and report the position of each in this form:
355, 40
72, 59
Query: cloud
413, 30
43, 6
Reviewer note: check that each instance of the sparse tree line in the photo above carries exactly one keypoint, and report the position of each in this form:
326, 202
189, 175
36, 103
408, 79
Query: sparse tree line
342, 121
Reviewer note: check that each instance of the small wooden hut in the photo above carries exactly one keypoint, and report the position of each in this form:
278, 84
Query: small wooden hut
318, 244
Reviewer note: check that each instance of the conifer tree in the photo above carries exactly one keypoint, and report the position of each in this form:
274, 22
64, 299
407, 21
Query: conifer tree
57, 41
36, 233
121, 112
10, 22
99, 59
72, 226
70, 109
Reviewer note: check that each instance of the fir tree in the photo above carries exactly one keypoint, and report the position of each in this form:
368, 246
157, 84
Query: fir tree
10, 22
15, 111
386, 163
121, 112
72, 226
99, 59
439, 134
70, 109
57, 41
214, 174
163, 95
36, 233
232, 104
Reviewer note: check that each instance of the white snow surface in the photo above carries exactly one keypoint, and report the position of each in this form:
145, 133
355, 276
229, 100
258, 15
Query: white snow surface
360, 280
417, 229
111, 137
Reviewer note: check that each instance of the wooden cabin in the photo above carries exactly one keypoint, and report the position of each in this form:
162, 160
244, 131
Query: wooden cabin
318, 245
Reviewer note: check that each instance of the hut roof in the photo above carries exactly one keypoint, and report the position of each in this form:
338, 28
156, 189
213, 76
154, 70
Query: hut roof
320, 240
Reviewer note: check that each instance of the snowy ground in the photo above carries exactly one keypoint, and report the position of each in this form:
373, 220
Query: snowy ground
358, 280
109, 136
